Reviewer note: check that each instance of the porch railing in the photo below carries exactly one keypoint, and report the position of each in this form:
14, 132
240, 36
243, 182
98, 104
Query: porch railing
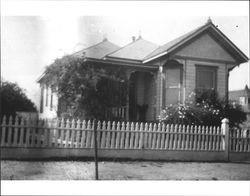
117, 113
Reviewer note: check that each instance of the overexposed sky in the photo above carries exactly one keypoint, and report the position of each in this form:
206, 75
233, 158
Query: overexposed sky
31, 41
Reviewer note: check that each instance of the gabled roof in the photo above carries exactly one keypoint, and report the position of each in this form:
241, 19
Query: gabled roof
136, 50
236, 94
180, 41
97, 51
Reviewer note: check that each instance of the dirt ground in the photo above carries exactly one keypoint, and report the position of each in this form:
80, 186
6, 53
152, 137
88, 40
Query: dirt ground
129, 170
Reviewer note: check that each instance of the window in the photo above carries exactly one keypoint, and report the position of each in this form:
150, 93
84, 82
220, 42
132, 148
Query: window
206, 77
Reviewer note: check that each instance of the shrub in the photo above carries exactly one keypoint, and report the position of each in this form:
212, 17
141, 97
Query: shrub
207, 109
13, 99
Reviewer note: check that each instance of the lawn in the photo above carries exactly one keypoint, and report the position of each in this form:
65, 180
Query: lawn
126, 170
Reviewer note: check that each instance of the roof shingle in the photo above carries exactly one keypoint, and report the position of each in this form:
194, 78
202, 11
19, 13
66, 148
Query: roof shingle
136, 50
98, 51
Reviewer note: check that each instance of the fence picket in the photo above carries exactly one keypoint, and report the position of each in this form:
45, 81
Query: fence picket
222, 140
136, 136
83, 132
218, 140
67, 133
72, 133
3, 131
61, 134
171, 140
202, 138
9, 132
21, 138
141, 137
163, 135
15, 132
210, 138
107, 143
153, 138
78, 127
159, 136
145, 143
92, 141
215, 138
27, 138
33, 133
149, 136
166, 145
38, 134
45, 137
195, 136
205, 138
175, 137
98, 129
103, 137
131, 141
113, 133
240, 140
122, 142
198, 137
88, 139
117, 143
187, 142
178, 134
127, 136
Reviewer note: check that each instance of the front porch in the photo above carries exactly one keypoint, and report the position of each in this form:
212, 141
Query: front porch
140, 99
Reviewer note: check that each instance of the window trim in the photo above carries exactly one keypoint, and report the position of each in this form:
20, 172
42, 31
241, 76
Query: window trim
214, 69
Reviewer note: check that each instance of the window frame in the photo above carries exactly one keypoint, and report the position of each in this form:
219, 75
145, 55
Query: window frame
213, 69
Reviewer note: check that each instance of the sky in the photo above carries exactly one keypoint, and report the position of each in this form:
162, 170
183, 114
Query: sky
30, 42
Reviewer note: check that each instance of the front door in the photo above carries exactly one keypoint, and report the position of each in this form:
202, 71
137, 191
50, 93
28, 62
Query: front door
173, 83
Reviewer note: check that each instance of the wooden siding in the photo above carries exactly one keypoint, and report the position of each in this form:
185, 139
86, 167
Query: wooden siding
47, 111
206, 47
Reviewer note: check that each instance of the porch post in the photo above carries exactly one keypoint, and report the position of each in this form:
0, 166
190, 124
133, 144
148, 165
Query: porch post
128, 86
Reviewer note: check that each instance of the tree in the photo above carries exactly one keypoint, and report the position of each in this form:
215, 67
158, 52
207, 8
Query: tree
13, 99
207, 109
86, 89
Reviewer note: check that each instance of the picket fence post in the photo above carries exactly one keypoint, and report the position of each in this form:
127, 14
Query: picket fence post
225, 132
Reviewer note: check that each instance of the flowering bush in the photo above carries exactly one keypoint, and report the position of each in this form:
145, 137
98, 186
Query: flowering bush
206, 109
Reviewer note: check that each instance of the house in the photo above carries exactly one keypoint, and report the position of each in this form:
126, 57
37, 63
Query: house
242, 97
161, 75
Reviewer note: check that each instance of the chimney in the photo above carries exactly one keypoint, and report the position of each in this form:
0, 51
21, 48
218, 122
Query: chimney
209, 20
133, 38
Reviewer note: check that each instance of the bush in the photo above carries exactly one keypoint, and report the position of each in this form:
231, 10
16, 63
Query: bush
13, 99
207, 109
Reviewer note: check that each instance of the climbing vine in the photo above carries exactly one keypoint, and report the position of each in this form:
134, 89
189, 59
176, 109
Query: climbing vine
86, 89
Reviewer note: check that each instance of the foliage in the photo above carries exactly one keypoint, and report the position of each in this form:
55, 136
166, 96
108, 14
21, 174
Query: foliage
13, 99
86, 89
207, 109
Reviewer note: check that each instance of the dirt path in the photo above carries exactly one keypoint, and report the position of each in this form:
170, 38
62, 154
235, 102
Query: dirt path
76, 170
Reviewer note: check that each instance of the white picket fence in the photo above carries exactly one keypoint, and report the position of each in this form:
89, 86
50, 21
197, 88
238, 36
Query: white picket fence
118, 135
240, 140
